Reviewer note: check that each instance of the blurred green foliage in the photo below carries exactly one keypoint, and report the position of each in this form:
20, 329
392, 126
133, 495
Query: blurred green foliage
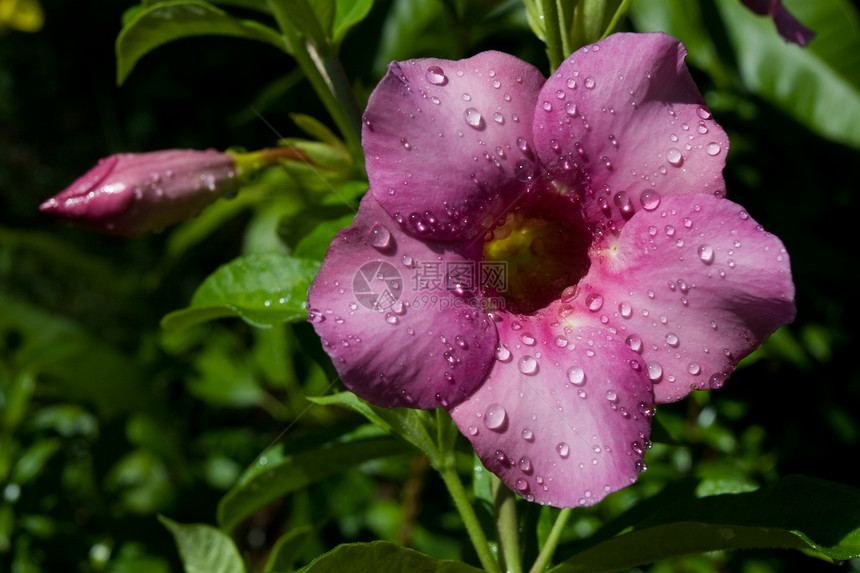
107, 420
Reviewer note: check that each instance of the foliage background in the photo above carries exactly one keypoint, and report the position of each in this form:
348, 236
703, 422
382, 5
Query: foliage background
106, 420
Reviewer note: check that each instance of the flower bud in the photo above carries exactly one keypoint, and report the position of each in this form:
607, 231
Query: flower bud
132, 193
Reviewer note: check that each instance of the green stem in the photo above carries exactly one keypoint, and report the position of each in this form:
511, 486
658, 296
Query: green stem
552, 31
323, 70
548, 548
445, 463
616, 18
467, 512
507, 525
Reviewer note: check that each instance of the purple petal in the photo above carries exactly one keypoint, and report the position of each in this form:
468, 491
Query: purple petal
693, 287
623, 125
564, 417
787, 25
394, 342
132, 193
446, 143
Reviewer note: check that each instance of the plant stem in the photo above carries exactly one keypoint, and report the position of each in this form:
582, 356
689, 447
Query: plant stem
616, 18
507, 525
467, 512
323, 70
548, 548
552, 31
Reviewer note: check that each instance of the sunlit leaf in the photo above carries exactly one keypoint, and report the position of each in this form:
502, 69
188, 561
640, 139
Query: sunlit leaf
348, 13
262, 289
164, 22
204, 549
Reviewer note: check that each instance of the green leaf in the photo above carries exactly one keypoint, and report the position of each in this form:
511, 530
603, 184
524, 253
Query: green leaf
285, 474
796, 512
261, 289
204, 549
407, 423
315, 244
382, 557
286, 550
165, 22
347, 14
819, 85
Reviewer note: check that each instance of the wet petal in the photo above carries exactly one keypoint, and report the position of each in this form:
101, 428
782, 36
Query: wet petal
563, 418
396, 341
622, 123
446, 143
693, 287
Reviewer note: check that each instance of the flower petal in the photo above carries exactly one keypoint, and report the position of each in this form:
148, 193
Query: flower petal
394, 345
563, 418
622, 123
693, 287
441, 141
787, 25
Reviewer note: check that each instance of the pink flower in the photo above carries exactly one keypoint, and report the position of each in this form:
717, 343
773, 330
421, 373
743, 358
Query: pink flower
132, 193
787, 25
630, 278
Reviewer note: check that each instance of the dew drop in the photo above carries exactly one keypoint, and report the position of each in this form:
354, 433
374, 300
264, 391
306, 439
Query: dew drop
650, 200
655, 371
622, 201
379, 236
563, 449
495, 417
713, 149
625, 309
589, 83
406, 145
525, 464
694, 369
528, 365
436, 76
634, 342
703, 113
502, 353
528, 339
594, 302
706, 254
672, 340
576, 376
473, 118
674, 157
522, 485
527, 435
570, 108
498, 118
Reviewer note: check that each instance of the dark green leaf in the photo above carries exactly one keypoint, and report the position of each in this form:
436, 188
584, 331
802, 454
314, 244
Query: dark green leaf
347, 14
407, 423
382, 557
286, 474
315, 244
263, 290
204, 549
165, 22
796, 512
286, 550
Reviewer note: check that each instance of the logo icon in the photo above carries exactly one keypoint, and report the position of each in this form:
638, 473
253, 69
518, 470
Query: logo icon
377, 285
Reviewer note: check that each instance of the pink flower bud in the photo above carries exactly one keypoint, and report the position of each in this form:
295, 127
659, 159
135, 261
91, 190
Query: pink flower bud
132, 193
787, 25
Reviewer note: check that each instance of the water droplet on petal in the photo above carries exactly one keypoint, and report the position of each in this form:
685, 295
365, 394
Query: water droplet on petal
436, 76
672, 340
528, 339
570, 108
706, 254
594, 302
528, 365
703, 113
649, 199
563, 449
576, 376
713, 149
528, 435
495, 417
655, 371
589, 83
694, 369
502, 353
521, 485
622, 201
379, 236
674, 157
473, 118
525, 464
625, 309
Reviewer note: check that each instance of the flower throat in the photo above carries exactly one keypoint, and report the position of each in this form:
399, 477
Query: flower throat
545, 248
